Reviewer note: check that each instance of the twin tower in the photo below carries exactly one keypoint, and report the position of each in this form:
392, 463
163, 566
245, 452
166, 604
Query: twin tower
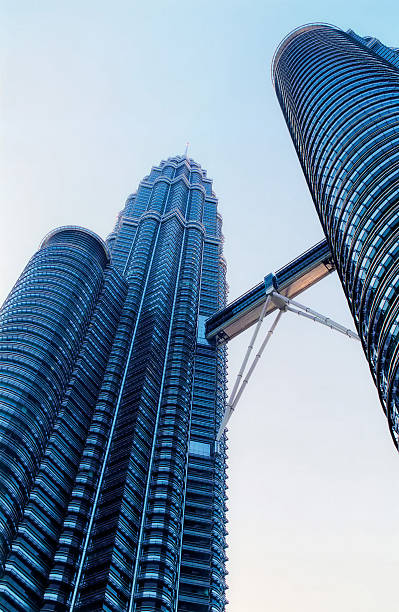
112, 491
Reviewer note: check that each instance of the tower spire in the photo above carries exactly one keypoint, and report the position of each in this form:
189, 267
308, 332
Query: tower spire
186, 150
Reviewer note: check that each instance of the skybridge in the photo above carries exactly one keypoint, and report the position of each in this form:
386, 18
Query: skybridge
291, 280
274, 294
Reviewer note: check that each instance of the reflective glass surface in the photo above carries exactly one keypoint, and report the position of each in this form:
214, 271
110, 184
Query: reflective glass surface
339, 94
113, 497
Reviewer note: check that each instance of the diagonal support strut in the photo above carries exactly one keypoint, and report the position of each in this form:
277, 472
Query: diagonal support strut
308, 313
238, 390
283, 304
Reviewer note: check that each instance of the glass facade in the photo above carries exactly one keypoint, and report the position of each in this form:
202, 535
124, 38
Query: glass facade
339, 94
113, 496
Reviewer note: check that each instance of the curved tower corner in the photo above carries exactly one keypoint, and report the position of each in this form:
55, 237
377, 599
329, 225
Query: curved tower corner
339, 94
42, 326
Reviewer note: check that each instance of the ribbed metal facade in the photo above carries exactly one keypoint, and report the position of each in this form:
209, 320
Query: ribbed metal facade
340, 97
113, 497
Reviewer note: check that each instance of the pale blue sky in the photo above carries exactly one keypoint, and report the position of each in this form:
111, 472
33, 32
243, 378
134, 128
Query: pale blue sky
94, 94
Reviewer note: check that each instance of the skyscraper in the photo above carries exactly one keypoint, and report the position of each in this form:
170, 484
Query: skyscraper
339, 94
112, 491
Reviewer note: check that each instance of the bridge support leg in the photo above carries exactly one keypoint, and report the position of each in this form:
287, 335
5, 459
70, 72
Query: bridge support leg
237, 391
283, 304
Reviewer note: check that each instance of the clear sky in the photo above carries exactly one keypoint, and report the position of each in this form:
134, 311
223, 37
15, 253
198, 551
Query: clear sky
93, 94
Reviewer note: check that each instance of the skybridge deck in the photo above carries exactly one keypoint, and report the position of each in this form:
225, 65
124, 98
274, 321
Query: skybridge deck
290, 281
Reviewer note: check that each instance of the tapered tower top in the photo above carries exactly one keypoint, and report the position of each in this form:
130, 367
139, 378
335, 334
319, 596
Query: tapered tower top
293, 35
